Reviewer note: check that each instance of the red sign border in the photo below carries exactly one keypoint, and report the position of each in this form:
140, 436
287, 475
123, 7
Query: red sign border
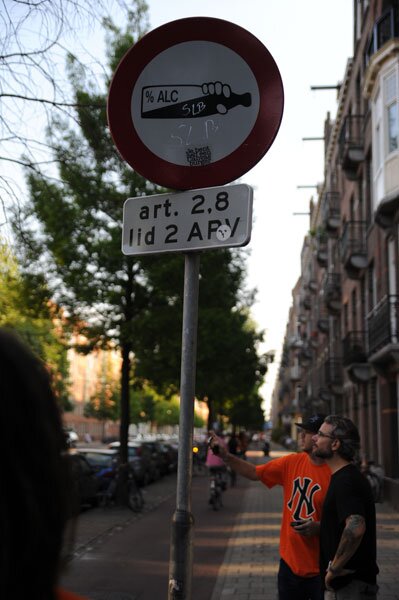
241, 160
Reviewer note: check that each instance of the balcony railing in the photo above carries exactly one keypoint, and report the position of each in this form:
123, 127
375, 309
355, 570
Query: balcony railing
383, 324
305, 357
354, 348
351, 145
331, 211
306, 302
295, 342
354, 248
312, 286
295, 373
333, 372
330, 375
332, 292
322, 250
385, 28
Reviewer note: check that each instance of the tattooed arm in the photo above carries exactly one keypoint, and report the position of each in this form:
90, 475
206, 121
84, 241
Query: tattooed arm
352, 535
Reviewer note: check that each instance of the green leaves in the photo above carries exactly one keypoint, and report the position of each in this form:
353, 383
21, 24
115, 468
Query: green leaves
73, 244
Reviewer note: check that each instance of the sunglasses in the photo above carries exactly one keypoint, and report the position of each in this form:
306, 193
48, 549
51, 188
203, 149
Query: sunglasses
326, 435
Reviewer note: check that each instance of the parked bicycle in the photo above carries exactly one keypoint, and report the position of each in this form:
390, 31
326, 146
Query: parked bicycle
217, 486
134, 496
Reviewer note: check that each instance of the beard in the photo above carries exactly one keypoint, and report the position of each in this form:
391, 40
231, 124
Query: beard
322, 453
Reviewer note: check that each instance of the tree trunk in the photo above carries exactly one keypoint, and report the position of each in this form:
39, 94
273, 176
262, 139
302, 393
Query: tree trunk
211, 415
125, 405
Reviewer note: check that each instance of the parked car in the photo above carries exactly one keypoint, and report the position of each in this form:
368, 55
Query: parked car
84, 479
142, 458
169, 455
103, 462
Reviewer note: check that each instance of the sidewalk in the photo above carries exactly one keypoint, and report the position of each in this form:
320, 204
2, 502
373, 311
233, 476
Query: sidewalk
249, 571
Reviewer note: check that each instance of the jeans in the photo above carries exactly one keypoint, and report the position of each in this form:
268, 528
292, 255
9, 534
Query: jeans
294, 587
355, 590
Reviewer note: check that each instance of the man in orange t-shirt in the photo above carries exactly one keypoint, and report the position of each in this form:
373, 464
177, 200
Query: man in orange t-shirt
305, 480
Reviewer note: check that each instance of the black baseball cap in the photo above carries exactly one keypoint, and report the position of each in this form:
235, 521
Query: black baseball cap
312, 423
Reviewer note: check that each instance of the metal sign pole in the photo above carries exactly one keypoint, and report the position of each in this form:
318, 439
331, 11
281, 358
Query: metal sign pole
181, 547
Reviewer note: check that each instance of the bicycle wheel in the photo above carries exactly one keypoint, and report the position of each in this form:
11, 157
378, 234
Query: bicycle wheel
217, 501
135, 500
233, 477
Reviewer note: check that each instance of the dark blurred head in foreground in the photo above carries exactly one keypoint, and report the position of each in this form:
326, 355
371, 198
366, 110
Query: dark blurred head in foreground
34, 505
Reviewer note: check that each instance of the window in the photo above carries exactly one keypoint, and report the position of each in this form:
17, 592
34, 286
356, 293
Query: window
354, 309
346, 319
392, 112
372, 288
377, 132
385, 119
391, 103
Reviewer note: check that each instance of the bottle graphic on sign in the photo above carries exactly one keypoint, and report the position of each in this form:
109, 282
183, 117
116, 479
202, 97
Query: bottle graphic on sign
188, 101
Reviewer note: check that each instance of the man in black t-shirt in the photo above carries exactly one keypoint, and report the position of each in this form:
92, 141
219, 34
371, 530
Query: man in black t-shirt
348, 525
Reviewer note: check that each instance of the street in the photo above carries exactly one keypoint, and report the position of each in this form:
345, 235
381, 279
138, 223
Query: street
123, 556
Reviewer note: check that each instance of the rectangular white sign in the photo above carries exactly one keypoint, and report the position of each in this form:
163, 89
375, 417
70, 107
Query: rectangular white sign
191, 220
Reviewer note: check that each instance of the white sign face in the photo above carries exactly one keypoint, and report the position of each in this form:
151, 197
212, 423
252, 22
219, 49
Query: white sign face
195, 116
194, 220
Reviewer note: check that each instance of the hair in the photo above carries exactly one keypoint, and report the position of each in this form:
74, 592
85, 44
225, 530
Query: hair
347, 433
34, 503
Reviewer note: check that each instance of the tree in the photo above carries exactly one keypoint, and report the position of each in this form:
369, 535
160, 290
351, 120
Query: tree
167, 411
228, 364
71, 227
103, 404
35, 319
34, 39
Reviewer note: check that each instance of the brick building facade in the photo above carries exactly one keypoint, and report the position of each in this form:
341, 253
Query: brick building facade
341, 349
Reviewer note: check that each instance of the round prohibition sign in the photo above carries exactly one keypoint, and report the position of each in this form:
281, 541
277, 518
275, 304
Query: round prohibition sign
195, 103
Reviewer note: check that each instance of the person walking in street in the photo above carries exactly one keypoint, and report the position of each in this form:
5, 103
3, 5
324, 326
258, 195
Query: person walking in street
35, 503
304, 479
348, 524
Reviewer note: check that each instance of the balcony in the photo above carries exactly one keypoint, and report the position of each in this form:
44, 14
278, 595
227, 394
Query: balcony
323, 321
295, 373
385, 213
331, 212
383, 336
306, 302
305, 357
295, 342
354, 248
312, 286
330, 379
332, 293
314, 338
354, 357
351, 145
333, 374
385, 28
354, 348
322, 249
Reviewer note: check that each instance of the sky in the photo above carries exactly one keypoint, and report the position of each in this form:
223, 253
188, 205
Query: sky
311, 42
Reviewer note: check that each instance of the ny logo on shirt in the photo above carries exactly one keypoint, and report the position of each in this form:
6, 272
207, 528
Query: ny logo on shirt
303, 492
